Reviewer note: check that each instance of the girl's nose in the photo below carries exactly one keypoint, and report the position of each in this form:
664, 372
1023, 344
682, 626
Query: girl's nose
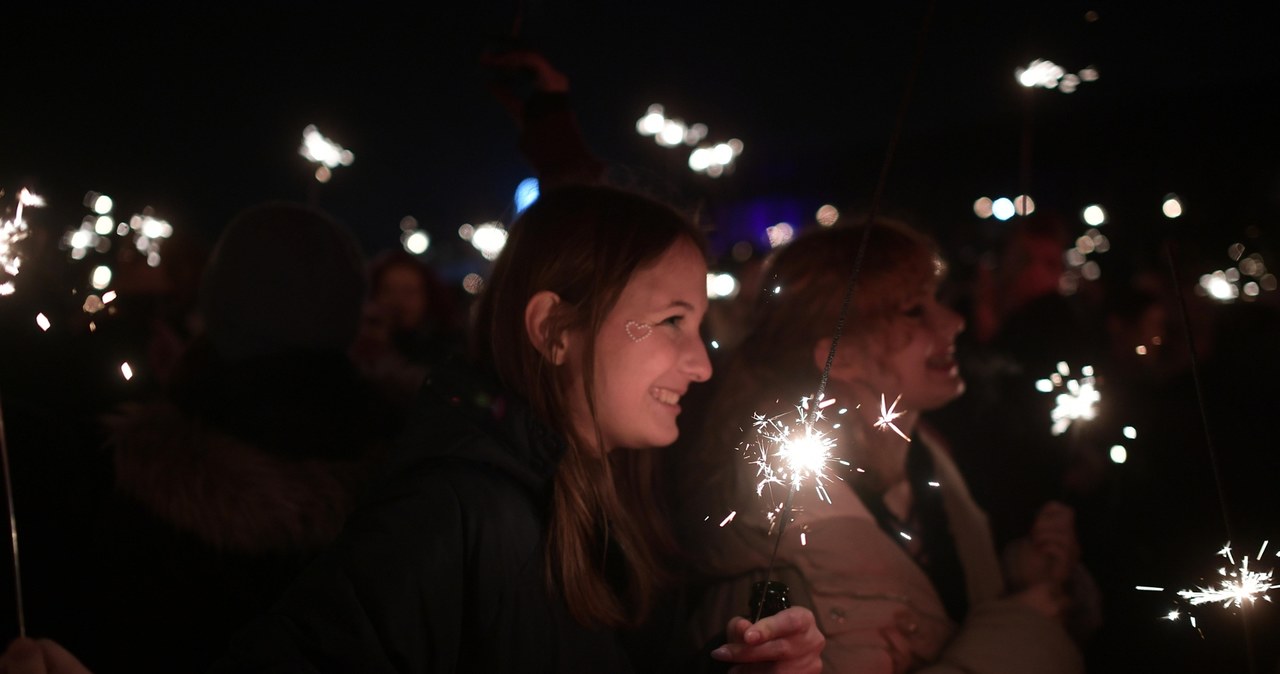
697, 362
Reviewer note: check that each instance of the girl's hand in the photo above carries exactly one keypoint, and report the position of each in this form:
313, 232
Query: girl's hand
786, 643
39, 656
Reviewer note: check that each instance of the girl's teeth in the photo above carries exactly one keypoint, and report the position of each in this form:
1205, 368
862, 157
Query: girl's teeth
666, 396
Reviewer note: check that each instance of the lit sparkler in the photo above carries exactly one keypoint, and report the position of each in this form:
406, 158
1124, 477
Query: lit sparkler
1049, 75
1079, 400
320, 150
149, 231
11, 232
1237, 585
1245, 281
792, 455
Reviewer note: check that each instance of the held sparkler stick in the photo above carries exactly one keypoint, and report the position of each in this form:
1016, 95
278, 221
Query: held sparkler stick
13, 527
791, 457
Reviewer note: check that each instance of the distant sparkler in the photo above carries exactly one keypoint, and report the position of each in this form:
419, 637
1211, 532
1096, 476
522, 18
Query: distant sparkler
320, 150
11, 232
1049, 75
1079, 400
148, 234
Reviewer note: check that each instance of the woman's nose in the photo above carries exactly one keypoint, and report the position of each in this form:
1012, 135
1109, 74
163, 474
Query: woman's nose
949, 322
697, 362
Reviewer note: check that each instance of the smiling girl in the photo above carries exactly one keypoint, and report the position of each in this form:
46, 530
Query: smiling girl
515, 528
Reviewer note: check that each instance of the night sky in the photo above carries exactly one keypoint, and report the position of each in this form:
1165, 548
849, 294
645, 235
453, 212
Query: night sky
200, 114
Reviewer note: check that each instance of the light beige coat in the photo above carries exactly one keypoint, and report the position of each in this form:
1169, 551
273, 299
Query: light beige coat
863, 587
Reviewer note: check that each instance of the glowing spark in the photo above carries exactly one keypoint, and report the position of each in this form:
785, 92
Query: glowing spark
126, 371
793, 455
729, 519
26, 198
43, 322
1237, 586
1148, 588
804, 540
904, 535
1173, 615
888, 415
1079, 400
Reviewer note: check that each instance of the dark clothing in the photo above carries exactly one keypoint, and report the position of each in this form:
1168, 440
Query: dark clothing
928, 522
441, 568
221, 496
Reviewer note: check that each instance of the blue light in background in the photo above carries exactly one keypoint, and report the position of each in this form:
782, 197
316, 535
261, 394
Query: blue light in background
526, 193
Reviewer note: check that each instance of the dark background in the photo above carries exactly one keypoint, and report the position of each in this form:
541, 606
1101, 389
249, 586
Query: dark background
199, 113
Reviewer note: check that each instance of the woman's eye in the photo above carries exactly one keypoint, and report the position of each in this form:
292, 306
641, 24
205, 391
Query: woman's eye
673, 320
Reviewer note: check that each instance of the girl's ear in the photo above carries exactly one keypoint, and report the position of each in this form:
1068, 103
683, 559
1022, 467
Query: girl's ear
538, 324
842, 366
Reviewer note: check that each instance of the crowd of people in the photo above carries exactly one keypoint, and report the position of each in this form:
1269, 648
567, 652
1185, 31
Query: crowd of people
339, 464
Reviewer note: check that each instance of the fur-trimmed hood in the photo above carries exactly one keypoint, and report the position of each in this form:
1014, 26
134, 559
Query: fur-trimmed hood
230, 494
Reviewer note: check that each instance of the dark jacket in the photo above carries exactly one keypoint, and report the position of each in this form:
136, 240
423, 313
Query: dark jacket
441, 567
219, 500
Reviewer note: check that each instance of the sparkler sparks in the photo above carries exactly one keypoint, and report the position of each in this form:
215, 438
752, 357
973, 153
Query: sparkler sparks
1078, 402
792, 455
1237, 586
888, 415
11, 232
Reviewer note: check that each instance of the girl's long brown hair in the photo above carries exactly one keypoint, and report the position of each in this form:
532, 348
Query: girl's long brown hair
583, 243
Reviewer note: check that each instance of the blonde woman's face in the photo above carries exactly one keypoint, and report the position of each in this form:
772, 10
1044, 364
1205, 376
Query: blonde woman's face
648, 351
917, 360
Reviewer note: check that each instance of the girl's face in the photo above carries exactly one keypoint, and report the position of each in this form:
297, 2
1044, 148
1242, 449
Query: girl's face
914, 355
648, 351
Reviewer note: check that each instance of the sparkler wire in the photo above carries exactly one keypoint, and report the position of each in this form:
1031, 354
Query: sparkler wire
1204, 424
1199, 386
13, 527
782, 525
873, 209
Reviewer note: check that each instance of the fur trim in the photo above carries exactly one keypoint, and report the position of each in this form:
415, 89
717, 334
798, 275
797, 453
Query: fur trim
231, 495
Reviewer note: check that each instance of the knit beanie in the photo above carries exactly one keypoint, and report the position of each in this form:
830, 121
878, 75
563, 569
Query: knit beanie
282, 277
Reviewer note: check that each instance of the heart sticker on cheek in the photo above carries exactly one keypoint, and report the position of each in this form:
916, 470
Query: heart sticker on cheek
638, 331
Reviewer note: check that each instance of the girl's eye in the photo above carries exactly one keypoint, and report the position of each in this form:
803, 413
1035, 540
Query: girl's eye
673, 321
914, 311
